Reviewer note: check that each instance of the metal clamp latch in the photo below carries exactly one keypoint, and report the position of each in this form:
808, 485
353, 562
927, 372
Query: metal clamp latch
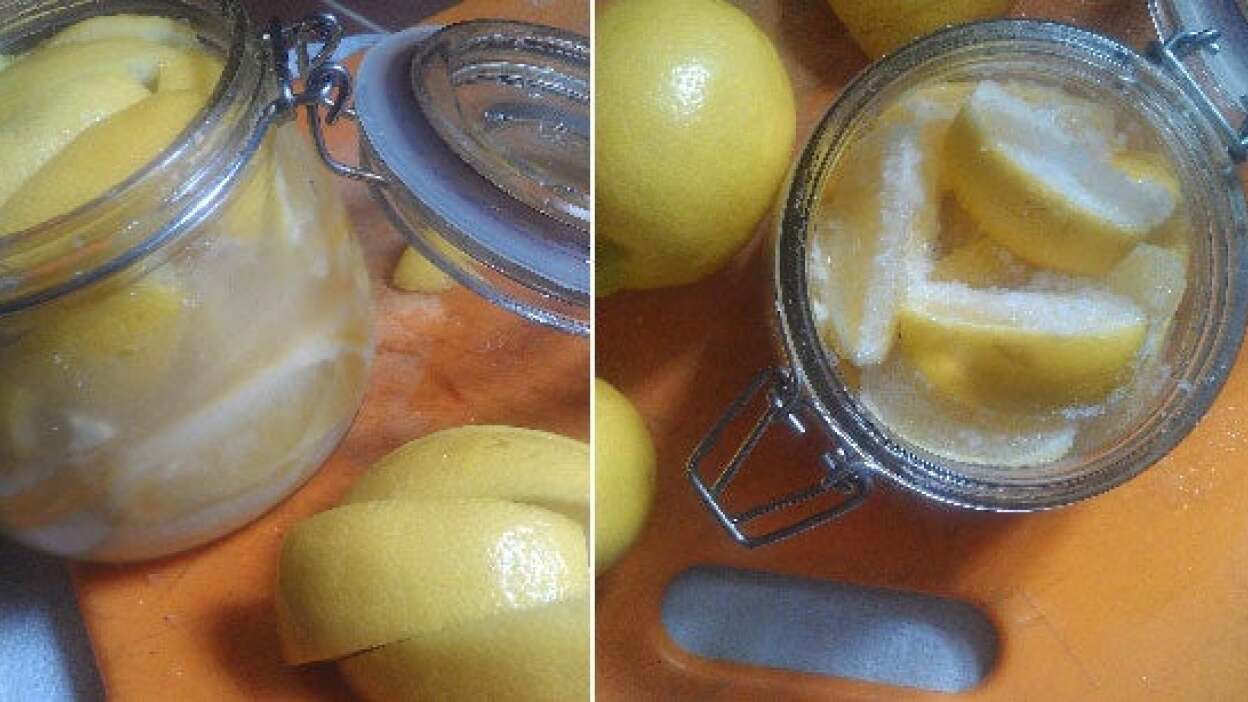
784, 402
1170, 54
326, 83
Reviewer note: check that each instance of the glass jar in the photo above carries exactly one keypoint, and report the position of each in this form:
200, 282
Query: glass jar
183, 352
817, 389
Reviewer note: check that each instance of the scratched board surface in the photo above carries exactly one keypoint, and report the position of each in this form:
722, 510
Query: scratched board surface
200, 625
1139, 594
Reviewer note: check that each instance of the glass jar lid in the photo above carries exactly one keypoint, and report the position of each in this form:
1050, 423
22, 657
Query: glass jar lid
481, 133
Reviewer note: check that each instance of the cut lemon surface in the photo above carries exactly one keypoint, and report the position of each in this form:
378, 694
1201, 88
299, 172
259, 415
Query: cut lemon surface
528, 655
901, 399
522, 465
368, 574
880, 217
1041, 192
1020, 349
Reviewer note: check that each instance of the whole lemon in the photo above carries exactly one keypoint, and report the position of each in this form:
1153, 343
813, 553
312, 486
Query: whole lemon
695, 126
624, 474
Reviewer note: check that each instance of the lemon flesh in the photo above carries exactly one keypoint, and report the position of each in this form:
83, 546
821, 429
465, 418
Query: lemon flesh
100, 158
624, 474
372, 573
695, 128
879, 26
1020, 349
539, 654
522, 465
1042, 193
902, 400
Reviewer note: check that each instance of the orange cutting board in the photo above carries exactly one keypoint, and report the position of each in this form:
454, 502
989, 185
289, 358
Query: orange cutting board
201, 625
1139, 594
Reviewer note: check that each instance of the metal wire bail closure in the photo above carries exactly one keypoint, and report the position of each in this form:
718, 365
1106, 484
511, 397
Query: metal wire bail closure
785, 404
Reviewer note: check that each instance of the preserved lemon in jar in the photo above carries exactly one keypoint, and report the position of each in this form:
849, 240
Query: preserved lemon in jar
185, 318
1000, 262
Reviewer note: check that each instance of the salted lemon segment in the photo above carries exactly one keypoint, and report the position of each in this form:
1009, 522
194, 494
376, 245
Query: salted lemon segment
1041, 192
881, 215
1020, 348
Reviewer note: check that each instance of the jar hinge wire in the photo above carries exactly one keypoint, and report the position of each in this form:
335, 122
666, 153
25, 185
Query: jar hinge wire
1169, 54
326, 84
784, 403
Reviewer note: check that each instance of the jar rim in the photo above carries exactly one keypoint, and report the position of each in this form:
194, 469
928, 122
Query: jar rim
815, 366
107, 235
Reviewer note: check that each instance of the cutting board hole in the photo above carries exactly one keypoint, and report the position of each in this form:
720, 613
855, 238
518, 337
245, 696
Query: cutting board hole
830, 628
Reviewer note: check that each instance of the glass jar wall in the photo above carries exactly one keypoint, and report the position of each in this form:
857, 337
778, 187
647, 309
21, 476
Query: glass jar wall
182, 352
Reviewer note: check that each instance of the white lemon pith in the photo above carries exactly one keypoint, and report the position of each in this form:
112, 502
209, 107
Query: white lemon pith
695, 128
998, 262
442, 574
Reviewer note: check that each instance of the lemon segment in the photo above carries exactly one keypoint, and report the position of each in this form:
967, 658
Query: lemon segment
530, 655
882, 215
28, 80
1020, 349
368, 574
31, 138
250, 434
624, 474
102, 347
1042, 193
156, 30
901, 399
101, 157
522, 465
881, 26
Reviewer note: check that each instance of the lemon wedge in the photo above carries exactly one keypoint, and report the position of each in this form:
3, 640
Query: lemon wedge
1154, 277
522, 465
254, 432
528, 655
903, 401
101, 157
30, 139
102, 347
971, 257
1041, 192
27, 80
1020, 349
157, 30
372, 573
880, 212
